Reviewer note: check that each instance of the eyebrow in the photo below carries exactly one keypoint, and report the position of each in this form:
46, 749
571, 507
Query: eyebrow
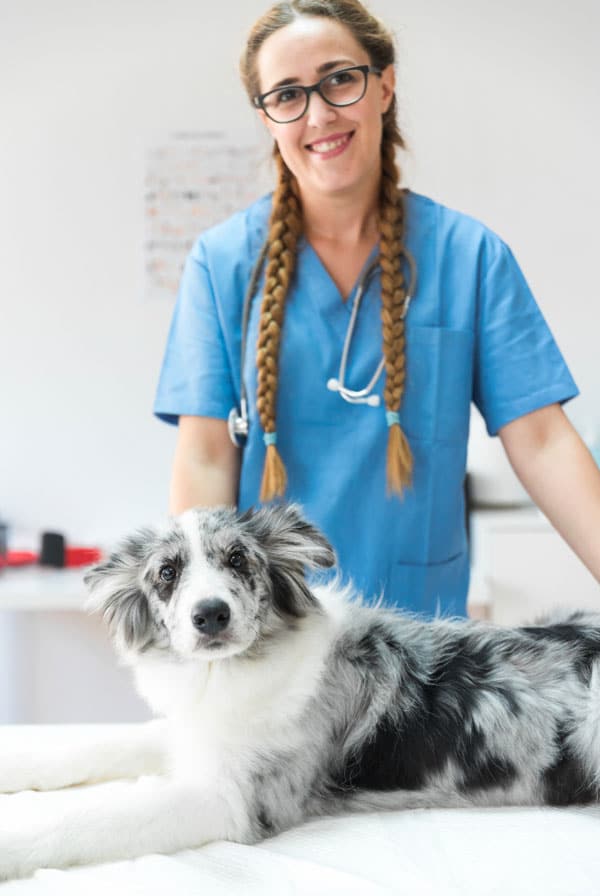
321, 70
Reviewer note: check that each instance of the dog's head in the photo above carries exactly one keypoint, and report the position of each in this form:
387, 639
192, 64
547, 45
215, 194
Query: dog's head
212, 584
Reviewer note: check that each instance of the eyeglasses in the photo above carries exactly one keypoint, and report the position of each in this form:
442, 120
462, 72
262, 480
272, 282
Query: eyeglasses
341, 88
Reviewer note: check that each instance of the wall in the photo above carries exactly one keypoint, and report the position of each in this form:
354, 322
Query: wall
499, 104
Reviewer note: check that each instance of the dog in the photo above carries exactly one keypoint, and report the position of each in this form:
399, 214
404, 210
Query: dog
282, 700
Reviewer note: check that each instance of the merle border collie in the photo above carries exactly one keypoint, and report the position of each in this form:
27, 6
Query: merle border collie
278, 701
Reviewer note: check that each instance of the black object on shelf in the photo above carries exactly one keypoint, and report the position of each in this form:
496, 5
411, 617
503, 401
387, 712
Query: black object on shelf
53, 549
3, 543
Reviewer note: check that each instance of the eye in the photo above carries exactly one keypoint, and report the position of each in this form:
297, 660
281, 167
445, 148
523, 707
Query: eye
236, 559
167, 573
343, 77
289, 95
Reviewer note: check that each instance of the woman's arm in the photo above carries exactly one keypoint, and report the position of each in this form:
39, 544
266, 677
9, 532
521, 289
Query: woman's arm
560, 475
206, 466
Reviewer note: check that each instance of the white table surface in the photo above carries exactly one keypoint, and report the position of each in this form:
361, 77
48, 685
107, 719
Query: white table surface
42, 588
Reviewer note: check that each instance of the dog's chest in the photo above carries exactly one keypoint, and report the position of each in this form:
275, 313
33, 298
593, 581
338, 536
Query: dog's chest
226, 732
226, 714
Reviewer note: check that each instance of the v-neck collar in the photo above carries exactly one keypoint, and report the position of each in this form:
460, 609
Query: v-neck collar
317, 276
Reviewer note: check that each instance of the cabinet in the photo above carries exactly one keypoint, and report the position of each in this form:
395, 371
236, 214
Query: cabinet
522, 568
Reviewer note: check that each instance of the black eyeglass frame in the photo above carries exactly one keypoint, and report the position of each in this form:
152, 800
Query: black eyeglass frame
259, 101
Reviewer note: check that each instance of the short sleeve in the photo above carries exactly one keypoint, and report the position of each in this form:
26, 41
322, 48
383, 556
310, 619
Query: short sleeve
518, 365
195, 378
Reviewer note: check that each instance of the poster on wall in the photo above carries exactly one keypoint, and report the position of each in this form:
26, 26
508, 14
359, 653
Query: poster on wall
192, 181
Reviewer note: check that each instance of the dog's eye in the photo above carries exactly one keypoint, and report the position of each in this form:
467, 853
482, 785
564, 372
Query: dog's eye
167, 573
236, 559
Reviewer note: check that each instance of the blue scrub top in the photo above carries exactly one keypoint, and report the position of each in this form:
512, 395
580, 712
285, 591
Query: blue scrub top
473, 333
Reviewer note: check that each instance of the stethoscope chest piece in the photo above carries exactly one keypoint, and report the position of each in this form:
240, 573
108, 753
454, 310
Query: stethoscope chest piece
237, 426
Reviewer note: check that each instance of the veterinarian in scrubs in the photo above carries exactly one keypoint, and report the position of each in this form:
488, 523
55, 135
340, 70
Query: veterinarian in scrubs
362, 419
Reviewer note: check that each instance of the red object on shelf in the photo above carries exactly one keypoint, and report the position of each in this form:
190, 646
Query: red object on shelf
82, 556
73, 557
18, 558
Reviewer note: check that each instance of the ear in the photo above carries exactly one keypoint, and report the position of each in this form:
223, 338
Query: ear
388, 86
264, 118
271, 126
116, 591
291, 545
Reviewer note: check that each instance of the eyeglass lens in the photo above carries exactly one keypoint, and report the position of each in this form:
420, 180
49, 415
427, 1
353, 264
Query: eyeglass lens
340, 89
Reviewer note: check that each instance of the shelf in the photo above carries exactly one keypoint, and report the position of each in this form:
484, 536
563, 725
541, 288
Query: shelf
40, 588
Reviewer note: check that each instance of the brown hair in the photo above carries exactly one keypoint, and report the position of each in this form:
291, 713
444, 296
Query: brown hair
285, 227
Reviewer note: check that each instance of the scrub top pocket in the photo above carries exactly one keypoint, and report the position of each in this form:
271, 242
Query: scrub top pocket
430, 588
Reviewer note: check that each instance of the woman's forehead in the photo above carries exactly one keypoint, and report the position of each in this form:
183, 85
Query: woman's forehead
304, 50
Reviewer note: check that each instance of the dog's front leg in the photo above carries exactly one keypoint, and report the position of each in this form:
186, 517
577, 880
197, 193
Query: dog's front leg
47, 757
108, 822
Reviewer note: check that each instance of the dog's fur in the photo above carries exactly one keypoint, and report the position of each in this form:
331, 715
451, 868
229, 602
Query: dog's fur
284, 701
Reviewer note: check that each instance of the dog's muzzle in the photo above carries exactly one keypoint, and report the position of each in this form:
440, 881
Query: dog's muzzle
211, 617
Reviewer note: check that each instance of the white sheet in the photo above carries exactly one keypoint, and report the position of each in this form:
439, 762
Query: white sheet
447, 852
505, 852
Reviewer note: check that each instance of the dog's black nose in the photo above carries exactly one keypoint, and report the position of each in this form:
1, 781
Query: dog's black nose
211, 616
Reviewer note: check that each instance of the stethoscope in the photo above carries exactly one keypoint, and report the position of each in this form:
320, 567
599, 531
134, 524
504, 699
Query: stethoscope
237, 422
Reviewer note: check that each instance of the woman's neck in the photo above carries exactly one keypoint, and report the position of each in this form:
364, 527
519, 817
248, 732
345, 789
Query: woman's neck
347, 221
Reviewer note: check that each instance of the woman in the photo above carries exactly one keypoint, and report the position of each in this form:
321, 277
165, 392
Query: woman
447, 308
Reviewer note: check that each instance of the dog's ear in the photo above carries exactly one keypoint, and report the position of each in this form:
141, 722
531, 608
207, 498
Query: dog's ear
291, 544
283, 530
116, 591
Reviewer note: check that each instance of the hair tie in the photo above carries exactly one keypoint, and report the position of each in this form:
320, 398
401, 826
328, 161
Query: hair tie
270, 438
392, 417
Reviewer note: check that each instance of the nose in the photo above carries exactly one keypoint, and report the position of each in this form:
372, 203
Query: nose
319, 112
211, 616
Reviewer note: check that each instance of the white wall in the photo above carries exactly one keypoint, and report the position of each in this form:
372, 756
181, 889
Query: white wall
500, 106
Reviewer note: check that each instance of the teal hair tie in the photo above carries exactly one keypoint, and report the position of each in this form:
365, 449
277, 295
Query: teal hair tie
392, 417
270, 438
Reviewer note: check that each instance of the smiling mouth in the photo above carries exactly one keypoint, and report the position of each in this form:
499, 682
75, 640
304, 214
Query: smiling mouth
336, 142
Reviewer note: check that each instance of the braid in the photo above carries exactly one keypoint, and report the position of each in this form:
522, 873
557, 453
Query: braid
393, 298
285, 226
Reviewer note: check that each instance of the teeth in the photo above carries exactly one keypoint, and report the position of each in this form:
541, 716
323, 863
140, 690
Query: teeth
327, 145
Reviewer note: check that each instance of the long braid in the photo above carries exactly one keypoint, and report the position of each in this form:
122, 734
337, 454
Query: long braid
285, 226
393, 300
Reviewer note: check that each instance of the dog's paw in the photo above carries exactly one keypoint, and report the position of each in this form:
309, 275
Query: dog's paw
18, 773
51, 757
26, 840
15, 862
31, 759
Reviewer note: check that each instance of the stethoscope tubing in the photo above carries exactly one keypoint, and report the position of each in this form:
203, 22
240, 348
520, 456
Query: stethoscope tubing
238, 420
